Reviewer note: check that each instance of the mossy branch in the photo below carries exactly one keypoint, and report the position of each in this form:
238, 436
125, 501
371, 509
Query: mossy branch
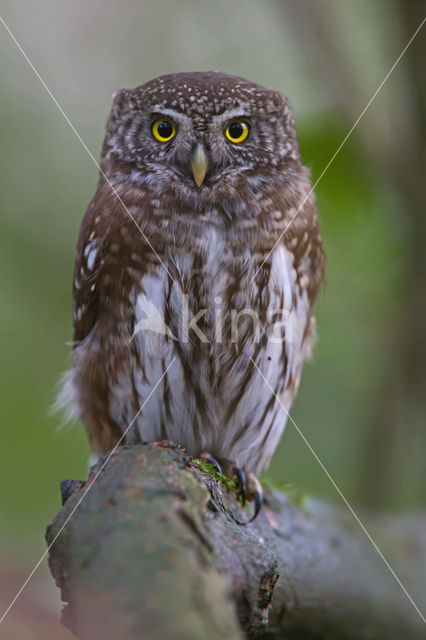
154, 552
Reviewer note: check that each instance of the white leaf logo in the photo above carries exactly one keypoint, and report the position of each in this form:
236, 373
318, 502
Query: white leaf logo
153, 320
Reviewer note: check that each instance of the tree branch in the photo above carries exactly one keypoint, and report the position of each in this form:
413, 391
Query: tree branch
153, 551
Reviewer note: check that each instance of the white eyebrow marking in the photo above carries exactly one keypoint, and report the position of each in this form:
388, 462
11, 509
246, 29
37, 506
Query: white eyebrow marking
176, 115
236, 112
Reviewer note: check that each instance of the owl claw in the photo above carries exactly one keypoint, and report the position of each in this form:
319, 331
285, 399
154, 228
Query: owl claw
257, 497
205, 455
249, 489
242, 485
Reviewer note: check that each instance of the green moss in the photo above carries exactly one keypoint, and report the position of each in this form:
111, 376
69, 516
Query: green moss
210, 469
295, 495
271, 485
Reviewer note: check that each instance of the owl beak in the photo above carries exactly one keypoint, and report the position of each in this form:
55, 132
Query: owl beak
199, 163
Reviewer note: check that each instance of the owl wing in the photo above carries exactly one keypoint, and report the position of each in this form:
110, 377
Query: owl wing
102, 281
112, 256
303, 240
87, 269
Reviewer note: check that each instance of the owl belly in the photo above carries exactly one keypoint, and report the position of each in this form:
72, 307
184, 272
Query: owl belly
209, 394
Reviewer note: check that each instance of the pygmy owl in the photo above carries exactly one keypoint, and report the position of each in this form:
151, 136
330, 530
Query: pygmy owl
200, 252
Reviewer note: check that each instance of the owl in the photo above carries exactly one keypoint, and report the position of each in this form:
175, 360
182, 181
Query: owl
198, 263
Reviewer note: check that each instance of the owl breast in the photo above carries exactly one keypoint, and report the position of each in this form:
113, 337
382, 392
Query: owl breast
211, 321
198, 263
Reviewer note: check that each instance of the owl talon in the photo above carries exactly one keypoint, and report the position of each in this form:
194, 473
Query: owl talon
257, 497
255, 494
205, 455
242, 484
251, 490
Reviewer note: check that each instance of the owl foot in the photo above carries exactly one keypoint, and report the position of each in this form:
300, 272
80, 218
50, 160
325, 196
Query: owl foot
249, 489
205, 455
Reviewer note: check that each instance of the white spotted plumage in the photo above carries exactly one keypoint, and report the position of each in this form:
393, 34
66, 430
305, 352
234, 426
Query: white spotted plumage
242, 243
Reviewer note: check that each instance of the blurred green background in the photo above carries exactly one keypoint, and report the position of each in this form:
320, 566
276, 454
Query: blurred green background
362, 400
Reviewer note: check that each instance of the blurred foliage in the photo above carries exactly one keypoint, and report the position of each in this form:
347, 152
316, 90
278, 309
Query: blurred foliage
85, 51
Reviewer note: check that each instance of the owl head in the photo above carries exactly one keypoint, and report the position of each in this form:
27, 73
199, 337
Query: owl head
203, 136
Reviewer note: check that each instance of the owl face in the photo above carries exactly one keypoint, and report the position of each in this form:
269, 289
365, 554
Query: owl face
200, 132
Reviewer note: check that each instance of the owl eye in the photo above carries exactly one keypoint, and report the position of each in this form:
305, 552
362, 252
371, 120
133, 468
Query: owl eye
163, 130
237, 131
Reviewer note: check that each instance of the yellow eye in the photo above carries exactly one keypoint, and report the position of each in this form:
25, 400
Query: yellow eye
237, 131
163, 130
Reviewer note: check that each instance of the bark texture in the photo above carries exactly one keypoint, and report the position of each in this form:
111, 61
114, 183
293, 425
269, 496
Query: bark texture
151, 550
